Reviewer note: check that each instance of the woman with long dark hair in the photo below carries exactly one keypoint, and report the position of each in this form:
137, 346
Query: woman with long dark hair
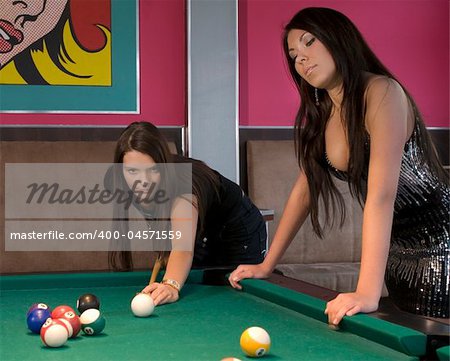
356, 122
201, 218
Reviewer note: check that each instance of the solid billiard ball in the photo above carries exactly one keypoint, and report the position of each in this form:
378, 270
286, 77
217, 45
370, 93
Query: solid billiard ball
92, 322
87, 301
37, 318
40, 305
54, 333
59, 311
74, 321
142, 305
255, 342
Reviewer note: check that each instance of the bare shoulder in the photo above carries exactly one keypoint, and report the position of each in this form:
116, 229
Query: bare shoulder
381, 88
387, 105
184, 203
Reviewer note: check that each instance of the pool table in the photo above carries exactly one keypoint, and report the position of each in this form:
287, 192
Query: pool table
205, 324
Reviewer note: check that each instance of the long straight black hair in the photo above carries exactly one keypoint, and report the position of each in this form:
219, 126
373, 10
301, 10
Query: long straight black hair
352, 57
145, 138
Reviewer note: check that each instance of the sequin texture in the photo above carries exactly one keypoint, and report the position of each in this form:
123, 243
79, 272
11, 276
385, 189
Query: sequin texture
417, 274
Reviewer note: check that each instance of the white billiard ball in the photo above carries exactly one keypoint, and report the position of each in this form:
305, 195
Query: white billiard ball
142, 305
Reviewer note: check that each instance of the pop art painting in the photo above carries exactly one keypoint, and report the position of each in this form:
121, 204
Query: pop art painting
58, 56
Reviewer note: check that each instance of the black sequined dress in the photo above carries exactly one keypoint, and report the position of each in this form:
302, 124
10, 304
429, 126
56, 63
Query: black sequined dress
417, 274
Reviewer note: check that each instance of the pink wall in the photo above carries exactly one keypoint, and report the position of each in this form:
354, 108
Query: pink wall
411, 37
162, 77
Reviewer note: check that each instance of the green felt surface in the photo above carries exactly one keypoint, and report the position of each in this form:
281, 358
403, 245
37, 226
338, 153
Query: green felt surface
205, 324
443, 353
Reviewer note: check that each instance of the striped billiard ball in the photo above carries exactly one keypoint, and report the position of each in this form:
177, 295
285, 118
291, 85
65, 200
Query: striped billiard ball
92, 322
255, 342
54, 333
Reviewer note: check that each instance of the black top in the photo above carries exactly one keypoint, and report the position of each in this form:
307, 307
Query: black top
234, 231
418, 268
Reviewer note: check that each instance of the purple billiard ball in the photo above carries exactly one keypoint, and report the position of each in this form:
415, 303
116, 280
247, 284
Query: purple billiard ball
37, 318
40, 305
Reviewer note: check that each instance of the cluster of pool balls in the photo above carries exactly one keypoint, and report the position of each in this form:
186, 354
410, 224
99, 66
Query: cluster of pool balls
57, 326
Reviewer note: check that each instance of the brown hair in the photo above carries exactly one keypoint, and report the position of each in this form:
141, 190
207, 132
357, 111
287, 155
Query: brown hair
146, 138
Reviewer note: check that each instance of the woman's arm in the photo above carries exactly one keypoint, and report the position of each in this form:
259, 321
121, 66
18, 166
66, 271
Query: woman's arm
387, 123
184, 218
294, 214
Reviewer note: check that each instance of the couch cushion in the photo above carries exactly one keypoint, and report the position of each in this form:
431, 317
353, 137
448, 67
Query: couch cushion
56, 152
272, 171
338, 276
341, 277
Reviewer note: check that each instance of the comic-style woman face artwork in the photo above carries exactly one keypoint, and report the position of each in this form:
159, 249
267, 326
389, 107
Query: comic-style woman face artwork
23, 22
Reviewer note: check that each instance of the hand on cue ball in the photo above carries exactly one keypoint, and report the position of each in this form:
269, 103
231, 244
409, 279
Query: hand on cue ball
161, 293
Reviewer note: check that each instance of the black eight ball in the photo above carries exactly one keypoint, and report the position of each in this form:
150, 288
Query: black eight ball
87, 301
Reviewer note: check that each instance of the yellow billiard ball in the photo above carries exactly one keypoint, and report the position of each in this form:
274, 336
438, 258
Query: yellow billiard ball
255, 342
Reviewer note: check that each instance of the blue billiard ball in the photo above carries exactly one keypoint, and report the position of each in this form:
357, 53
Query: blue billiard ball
37, 318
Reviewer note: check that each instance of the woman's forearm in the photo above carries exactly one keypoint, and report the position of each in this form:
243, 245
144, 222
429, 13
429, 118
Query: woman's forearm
377, 224
178, 266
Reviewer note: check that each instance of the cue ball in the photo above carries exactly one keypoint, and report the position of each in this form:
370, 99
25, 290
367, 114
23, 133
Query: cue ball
230, 359
255, 342
142, 305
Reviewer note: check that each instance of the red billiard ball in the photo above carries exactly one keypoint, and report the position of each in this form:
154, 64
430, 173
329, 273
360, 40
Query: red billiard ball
60, 310
74, 321
87, 301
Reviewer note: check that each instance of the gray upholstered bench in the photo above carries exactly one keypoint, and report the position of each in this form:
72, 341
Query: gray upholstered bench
331, 262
